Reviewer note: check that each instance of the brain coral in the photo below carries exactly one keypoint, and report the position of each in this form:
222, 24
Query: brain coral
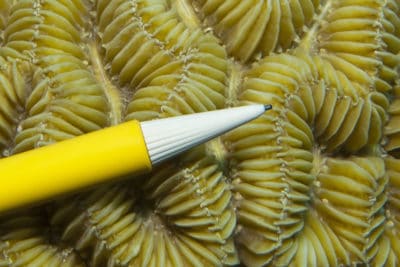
314, 182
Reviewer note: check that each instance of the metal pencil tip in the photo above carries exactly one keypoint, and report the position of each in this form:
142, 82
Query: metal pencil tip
267, 107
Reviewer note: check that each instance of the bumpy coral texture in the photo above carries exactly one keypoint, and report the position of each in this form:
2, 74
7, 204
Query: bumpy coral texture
313, 182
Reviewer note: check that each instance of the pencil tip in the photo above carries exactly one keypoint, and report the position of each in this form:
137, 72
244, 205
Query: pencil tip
167, 137
267, 107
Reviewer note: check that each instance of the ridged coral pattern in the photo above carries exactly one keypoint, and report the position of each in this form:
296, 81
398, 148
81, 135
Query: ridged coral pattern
313, 182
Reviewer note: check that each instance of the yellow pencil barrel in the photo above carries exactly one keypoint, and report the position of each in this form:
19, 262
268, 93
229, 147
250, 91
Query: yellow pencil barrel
73, 164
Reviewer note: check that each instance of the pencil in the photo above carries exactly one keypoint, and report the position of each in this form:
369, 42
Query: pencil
130, 148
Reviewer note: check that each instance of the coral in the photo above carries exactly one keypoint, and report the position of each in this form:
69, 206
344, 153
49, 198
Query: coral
26, 240
313, 182
178, 217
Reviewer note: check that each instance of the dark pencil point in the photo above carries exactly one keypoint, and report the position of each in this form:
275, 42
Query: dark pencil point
267, 107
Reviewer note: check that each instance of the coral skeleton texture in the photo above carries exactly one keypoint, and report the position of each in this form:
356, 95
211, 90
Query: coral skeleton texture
313, 182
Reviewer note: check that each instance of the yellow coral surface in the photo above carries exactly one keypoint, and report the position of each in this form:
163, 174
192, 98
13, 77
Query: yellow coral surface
313, 182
